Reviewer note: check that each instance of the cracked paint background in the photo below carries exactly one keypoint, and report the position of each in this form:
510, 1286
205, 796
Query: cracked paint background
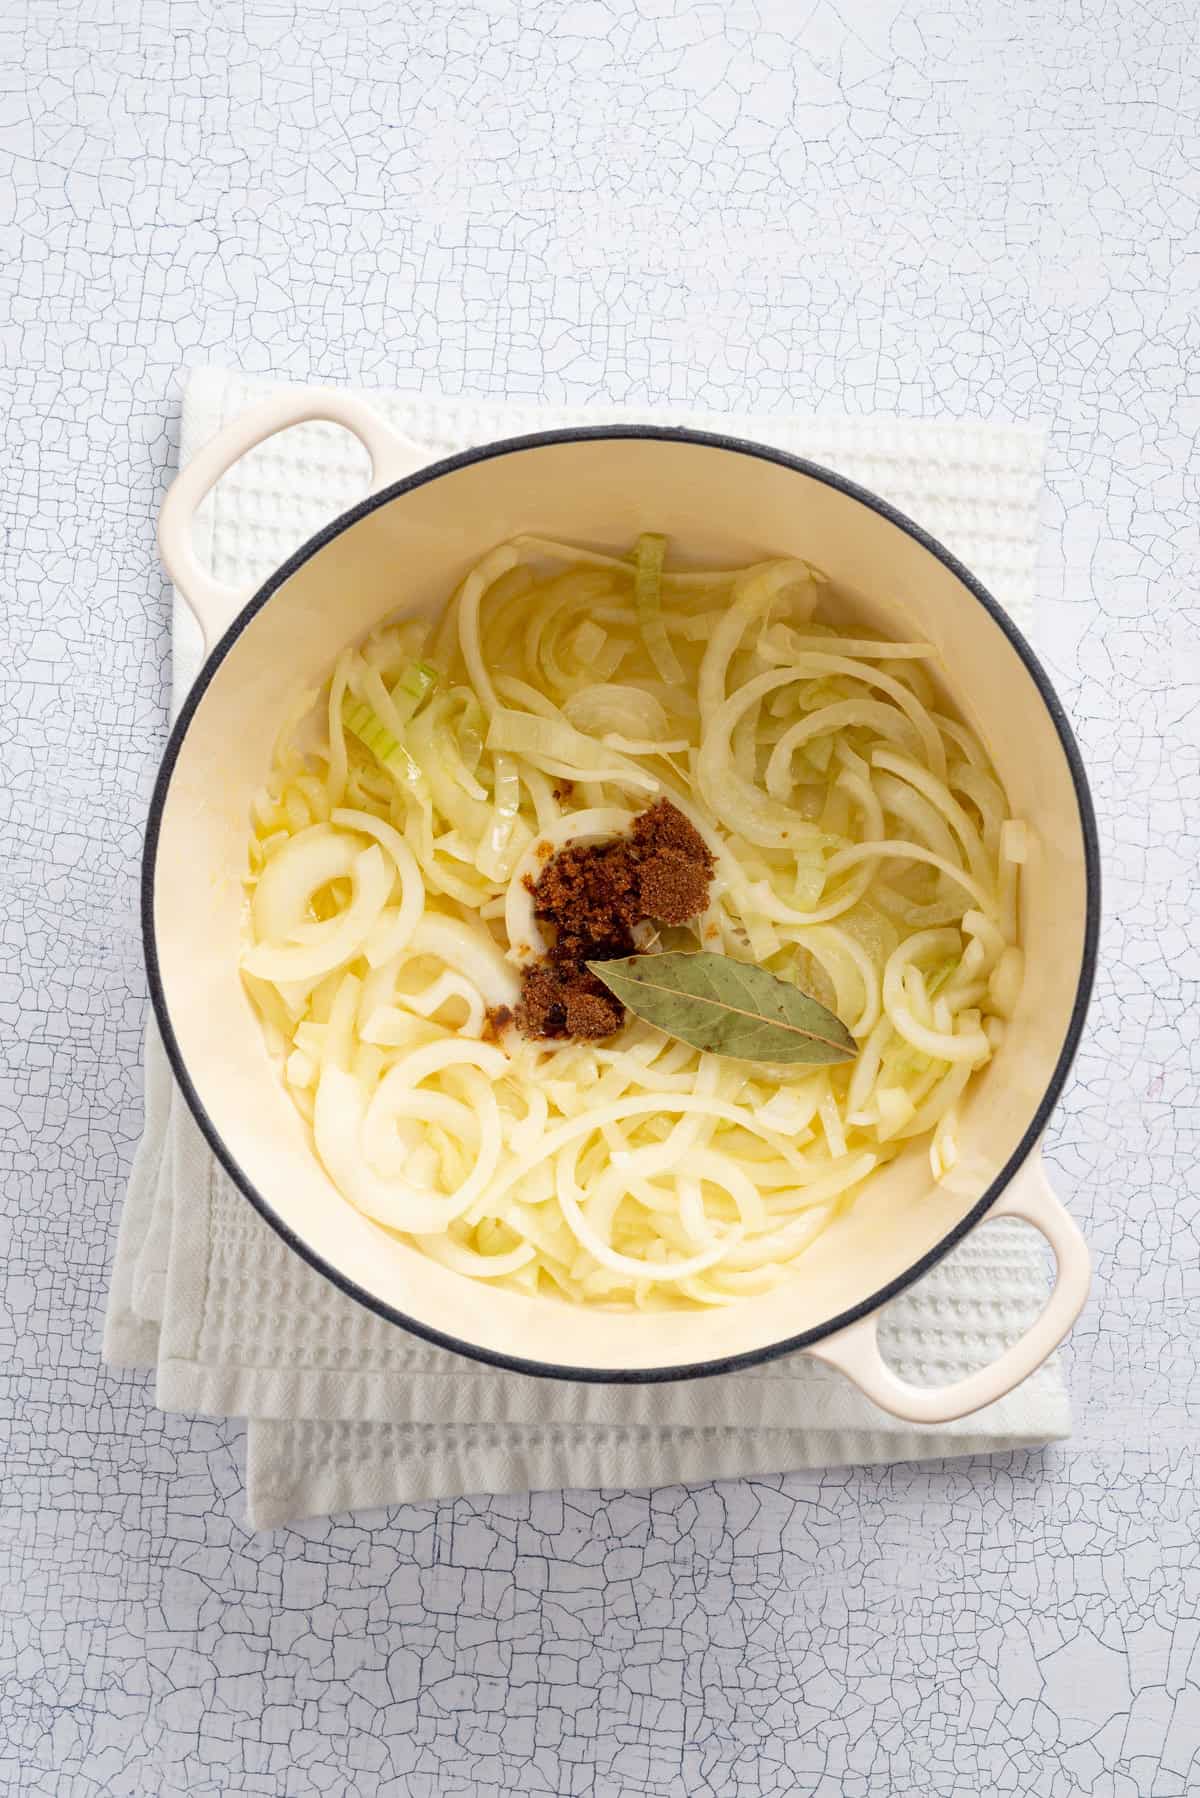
919, 206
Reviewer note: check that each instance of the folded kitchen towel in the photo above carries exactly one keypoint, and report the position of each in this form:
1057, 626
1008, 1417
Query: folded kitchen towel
344, 1409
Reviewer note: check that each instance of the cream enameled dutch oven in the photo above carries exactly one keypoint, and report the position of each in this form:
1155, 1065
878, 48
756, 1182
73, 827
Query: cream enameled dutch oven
412, 540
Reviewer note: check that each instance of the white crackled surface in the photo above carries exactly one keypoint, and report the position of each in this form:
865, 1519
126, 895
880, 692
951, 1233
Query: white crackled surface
905, 207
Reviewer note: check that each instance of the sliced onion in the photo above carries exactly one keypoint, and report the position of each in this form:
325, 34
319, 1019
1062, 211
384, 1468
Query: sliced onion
783, 644
561, 748
462, 1260
430, 741
338, 1117
569, 1197
644, 745
945, 1093
386, 1150
393, 930
967, 1045
729, 795
592, 781
914, 817
895, 1109
722, 1171
447, 986
753, 593
587, 642
345, 1119
1004, 983
298, 869
472, 952
903, 851
781, 1244
940, 797
343, 937
391, 1026
470, 596
885, 720
836, 950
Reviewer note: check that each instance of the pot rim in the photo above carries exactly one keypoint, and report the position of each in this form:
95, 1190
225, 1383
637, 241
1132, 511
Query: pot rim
1087, 969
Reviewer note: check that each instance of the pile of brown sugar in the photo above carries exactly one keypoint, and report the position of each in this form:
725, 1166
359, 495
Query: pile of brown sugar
594, 896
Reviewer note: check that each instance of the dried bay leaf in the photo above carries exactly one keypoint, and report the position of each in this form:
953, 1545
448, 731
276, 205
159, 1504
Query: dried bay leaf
727, 1007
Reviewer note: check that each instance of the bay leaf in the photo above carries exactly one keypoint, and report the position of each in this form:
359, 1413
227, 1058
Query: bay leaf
727, 1007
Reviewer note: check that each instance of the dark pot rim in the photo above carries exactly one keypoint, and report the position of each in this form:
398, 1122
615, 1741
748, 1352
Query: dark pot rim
1087, 820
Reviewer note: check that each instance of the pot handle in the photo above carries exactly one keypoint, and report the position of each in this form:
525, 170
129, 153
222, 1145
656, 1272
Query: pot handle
214, 603
854, 1351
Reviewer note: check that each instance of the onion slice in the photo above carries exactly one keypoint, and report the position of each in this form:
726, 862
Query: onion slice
343, 937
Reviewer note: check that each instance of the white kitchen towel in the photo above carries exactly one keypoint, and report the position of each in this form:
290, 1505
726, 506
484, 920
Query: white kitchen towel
344, 1409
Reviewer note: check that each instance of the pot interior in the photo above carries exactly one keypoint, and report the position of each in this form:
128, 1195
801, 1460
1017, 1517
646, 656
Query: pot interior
720, 506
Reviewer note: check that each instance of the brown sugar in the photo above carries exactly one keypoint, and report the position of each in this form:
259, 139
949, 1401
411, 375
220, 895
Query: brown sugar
672, 887
593, 1015
561, 999
663, 826
594, 895
590, 891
